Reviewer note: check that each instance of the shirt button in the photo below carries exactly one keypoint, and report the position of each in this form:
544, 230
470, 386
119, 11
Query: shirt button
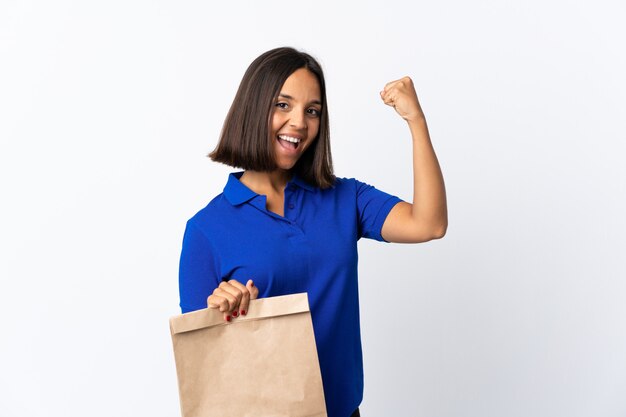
291, 206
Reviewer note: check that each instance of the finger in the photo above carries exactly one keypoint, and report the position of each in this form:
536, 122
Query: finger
254, 291
388, 96
217, 302
390, 84
230, 299
245, 299
389, 99
406, 80
220, 303
386, 93
234, 291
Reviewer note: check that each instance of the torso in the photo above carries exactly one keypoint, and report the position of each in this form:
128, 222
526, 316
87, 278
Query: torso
308, 246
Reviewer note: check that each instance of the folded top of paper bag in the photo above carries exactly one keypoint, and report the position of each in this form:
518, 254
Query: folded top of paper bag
258, 309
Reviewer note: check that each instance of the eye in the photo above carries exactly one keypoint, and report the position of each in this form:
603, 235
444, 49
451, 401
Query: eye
315, 112
282, 105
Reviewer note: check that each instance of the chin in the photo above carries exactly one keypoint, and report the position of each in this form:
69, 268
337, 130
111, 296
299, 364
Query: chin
285, 166
285, 163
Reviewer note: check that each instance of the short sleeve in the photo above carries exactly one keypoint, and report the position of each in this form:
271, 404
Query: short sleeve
373, 206
197, 272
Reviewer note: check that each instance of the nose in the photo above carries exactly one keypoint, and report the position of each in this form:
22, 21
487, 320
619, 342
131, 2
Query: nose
297, 120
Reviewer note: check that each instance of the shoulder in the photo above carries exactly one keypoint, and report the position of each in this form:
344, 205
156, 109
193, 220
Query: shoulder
349, 189
349, 184
341, 188
343, 183
209, 214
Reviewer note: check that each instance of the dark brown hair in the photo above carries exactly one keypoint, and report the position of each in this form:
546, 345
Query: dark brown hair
245, 138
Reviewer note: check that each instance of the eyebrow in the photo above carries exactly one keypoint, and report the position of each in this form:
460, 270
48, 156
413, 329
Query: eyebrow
291, 98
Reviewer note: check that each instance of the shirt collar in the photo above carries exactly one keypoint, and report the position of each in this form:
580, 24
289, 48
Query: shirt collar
295, 179
237, 192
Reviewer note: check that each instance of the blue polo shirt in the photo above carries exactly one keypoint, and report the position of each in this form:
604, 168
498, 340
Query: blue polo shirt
312, 249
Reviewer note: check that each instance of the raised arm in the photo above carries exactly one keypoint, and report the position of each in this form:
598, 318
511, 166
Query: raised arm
427, 217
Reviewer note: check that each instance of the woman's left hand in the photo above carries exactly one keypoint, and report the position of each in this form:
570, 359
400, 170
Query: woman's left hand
400, 95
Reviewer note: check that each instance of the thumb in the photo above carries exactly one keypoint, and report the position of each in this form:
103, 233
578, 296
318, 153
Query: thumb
254, 291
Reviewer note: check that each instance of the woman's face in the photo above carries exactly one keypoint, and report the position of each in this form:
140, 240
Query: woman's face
296, 117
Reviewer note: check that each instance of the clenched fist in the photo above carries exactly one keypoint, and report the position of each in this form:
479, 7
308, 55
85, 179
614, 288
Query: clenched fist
400, 95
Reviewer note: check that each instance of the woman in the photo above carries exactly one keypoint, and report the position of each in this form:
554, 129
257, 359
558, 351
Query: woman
287, 225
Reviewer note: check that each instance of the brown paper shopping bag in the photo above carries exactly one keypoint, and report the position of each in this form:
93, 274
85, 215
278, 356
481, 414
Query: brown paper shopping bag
259, 365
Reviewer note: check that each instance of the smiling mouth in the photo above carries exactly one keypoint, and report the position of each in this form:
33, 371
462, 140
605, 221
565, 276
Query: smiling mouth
288, 142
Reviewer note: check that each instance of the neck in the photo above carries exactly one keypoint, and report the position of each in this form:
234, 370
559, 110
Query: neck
264, 182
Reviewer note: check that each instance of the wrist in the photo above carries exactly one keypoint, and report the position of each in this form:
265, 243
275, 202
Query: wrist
419, 120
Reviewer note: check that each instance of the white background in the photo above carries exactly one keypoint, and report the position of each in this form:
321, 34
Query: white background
107, 110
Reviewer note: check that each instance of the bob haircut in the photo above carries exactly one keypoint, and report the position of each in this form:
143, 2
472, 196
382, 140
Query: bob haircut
245, 138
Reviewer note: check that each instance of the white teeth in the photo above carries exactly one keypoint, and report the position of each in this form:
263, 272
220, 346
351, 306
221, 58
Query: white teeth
289, 139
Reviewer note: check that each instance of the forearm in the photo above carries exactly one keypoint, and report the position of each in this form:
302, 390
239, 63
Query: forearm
429, 194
